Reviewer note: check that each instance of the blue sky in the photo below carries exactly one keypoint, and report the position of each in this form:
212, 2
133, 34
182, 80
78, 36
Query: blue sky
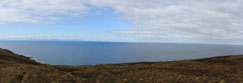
167, 21
89, 28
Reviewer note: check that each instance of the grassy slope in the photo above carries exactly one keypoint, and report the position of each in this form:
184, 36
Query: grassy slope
16, 68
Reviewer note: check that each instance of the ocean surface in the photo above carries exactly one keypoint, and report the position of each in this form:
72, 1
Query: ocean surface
92, 53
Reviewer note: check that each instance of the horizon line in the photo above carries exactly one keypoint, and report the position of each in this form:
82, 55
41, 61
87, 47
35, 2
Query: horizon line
56, 40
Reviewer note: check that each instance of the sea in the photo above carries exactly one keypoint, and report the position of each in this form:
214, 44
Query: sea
93, 53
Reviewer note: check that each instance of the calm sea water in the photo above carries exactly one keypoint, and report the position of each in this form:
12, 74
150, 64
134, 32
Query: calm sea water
91, 53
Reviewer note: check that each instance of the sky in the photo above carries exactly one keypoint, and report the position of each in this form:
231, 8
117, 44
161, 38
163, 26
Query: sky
165, 21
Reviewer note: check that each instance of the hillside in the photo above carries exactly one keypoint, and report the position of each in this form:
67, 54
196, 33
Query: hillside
16, 68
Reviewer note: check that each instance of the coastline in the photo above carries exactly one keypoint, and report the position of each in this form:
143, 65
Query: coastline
222, 69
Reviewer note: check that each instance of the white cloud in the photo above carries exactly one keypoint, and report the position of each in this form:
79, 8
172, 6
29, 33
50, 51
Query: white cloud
210, 21
39, 11
25, 36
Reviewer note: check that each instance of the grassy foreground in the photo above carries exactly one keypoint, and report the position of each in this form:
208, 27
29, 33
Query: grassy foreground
16, 68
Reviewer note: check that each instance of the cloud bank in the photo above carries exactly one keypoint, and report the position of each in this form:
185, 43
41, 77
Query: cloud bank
207, 21
202, 21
